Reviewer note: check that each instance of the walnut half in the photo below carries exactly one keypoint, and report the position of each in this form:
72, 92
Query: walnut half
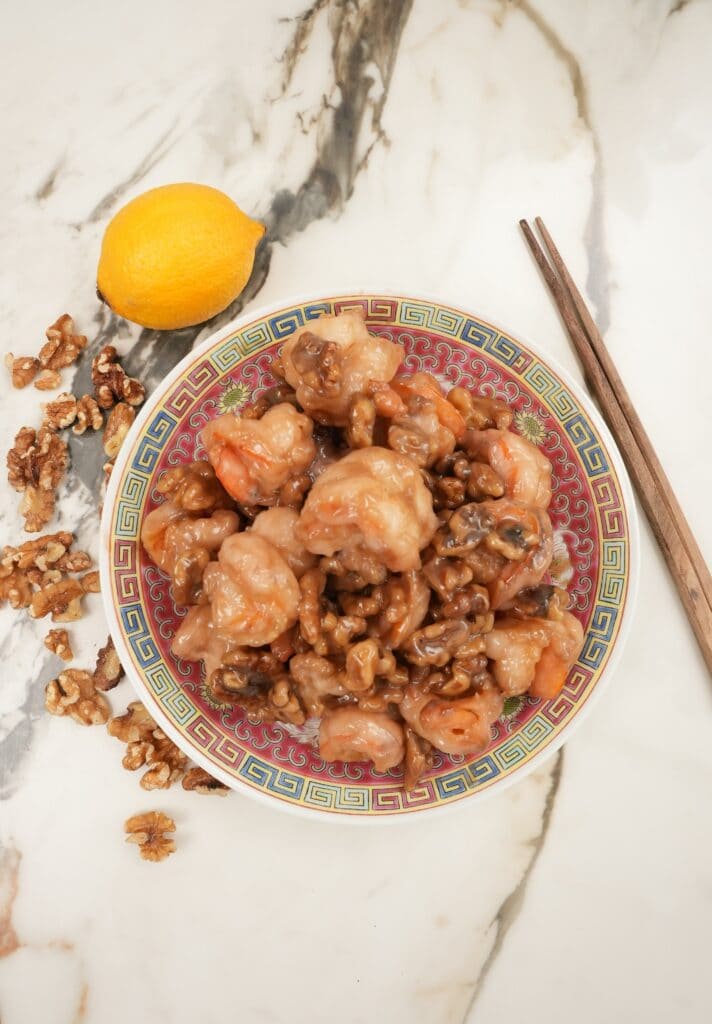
108, 669
73, 693
199, 781
148, 832
35, 464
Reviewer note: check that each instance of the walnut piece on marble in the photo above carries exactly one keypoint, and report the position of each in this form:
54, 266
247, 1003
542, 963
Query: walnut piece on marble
61, 599
133, 725
147, 745
48, 380
35, 465
61, 412
148, 832
90, 583
109, 669
111, 384
74, 561
197, 780
89, 415
117, 427
57, 641
23, 369
63, 345
73, 693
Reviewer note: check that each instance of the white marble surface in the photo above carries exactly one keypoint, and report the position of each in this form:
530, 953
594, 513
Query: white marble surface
583, 893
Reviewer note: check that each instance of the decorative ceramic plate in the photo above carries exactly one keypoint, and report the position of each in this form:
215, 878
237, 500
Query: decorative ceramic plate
595, 556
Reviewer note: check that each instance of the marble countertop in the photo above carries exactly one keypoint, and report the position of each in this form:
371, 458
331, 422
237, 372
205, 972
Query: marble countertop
392, 143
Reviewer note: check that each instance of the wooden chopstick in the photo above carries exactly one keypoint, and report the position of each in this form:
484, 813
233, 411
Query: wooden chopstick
642, 440
684, 559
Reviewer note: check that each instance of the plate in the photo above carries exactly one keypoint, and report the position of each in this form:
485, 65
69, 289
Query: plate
596, 553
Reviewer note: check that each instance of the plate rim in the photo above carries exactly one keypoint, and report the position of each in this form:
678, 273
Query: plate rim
415, 813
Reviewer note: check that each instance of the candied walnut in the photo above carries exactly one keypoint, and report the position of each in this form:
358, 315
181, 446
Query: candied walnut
188, 572
447, 575
464, 530
89, 415
194, 487
111, 383
485, 564
148, 832
61, 412
22, 369
419, 434
197, 780
364, 662
134, 725
272, 396
316, 678
36, 464
61, 599
362, 422
436, 644
62, 346
405, 605
57, 641
117, 427
537, 601
363, 568
448, 492
471, 601
90, 582
293, 493
108, 670
73, 693
480, 413
416, 760
48, 380
483, 482
284, 702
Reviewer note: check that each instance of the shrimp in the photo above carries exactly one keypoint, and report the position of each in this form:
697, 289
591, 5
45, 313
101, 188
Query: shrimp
154, 528
277, 525
208, 533
350, 734
524, 470
373, 501
197, 639
461, 726
334, 359
525, 537
534, 654
427, 387
253, 459
253, 594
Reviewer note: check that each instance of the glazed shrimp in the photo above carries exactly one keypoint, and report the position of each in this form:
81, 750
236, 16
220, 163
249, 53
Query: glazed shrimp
154, 529
534, 654
374, 501
197, 639
525, 537
461, 726
350, 734
277, 525
334, 359
524, 470
253, 594
253, 459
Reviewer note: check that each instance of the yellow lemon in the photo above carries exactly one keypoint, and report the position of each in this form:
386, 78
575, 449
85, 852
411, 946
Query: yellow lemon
176, 256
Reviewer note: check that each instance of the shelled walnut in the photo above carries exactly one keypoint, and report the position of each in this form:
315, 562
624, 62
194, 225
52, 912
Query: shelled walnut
148, 832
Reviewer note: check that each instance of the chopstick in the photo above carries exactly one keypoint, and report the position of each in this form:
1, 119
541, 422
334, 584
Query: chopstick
667, 520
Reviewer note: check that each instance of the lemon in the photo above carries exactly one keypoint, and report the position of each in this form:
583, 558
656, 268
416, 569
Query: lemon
176, 256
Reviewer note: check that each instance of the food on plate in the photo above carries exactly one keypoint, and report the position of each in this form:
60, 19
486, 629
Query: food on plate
176, 255
366, 548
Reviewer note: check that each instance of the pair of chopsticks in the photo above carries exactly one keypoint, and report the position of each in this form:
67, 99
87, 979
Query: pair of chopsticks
672, 531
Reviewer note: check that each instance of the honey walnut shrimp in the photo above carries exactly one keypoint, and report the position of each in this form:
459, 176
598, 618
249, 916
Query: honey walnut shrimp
373, 595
